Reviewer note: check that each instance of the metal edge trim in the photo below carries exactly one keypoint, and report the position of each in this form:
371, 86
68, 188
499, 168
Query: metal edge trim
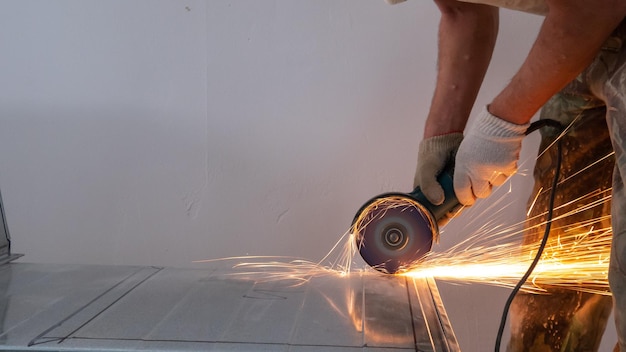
444, 321
431, 306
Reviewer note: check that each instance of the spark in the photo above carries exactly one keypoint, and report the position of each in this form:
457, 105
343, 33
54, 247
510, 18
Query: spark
378, 208
576, 259
532, 205
298, 271
576, 256
495, 253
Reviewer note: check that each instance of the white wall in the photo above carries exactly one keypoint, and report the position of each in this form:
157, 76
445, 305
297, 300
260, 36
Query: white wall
162, 132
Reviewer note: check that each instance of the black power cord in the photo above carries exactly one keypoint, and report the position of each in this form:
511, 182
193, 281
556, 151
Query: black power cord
559, 158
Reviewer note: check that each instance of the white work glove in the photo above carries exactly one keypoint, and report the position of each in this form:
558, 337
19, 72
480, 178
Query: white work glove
487, 156
433, 156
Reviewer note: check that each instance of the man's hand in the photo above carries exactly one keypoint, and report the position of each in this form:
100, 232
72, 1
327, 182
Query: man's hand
487, 156
434, 154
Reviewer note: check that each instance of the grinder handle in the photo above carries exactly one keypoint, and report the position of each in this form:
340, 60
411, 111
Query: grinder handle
450, 202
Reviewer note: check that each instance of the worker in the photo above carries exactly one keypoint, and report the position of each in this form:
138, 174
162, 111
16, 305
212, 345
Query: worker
576, 66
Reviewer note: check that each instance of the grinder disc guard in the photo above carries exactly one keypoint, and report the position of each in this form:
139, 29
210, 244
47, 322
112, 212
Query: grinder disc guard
393, 231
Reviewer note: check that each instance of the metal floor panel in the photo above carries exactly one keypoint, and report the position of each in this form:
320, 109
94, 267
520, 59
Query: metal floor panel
128, 308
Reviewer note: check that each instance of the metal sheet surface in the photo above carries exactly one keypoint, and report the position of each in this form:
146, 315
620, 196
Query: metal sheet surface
123, 308
5, 239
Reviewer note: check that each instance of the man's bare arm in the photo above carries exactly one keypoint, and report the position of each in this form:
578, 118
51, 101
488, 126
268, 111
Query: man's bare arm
570, 37
467, 35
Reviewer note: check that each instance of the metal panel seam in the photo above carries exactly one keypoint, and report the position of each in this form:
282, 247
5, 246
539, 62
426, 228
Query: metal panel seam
35, 341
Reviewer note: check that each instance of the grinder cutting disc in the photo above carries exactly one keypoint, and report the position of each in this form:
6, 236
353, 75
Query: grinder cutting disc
393, 231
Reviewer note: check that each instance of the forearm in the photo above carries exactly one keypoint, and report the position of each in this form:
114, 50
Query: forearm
467, 35
570, 37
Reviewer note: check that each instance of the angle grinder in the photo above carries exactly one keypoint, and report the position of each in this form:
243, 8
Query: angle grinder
394, 230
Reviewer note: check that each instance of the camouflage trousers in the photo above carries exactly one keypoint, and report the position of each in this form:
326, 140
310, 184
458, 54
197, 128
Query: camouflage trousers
594, 106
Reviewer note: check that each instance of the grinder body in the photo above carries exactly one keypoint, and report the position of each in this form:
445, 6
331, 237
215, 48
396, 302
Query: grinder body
450, 202
394, 230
